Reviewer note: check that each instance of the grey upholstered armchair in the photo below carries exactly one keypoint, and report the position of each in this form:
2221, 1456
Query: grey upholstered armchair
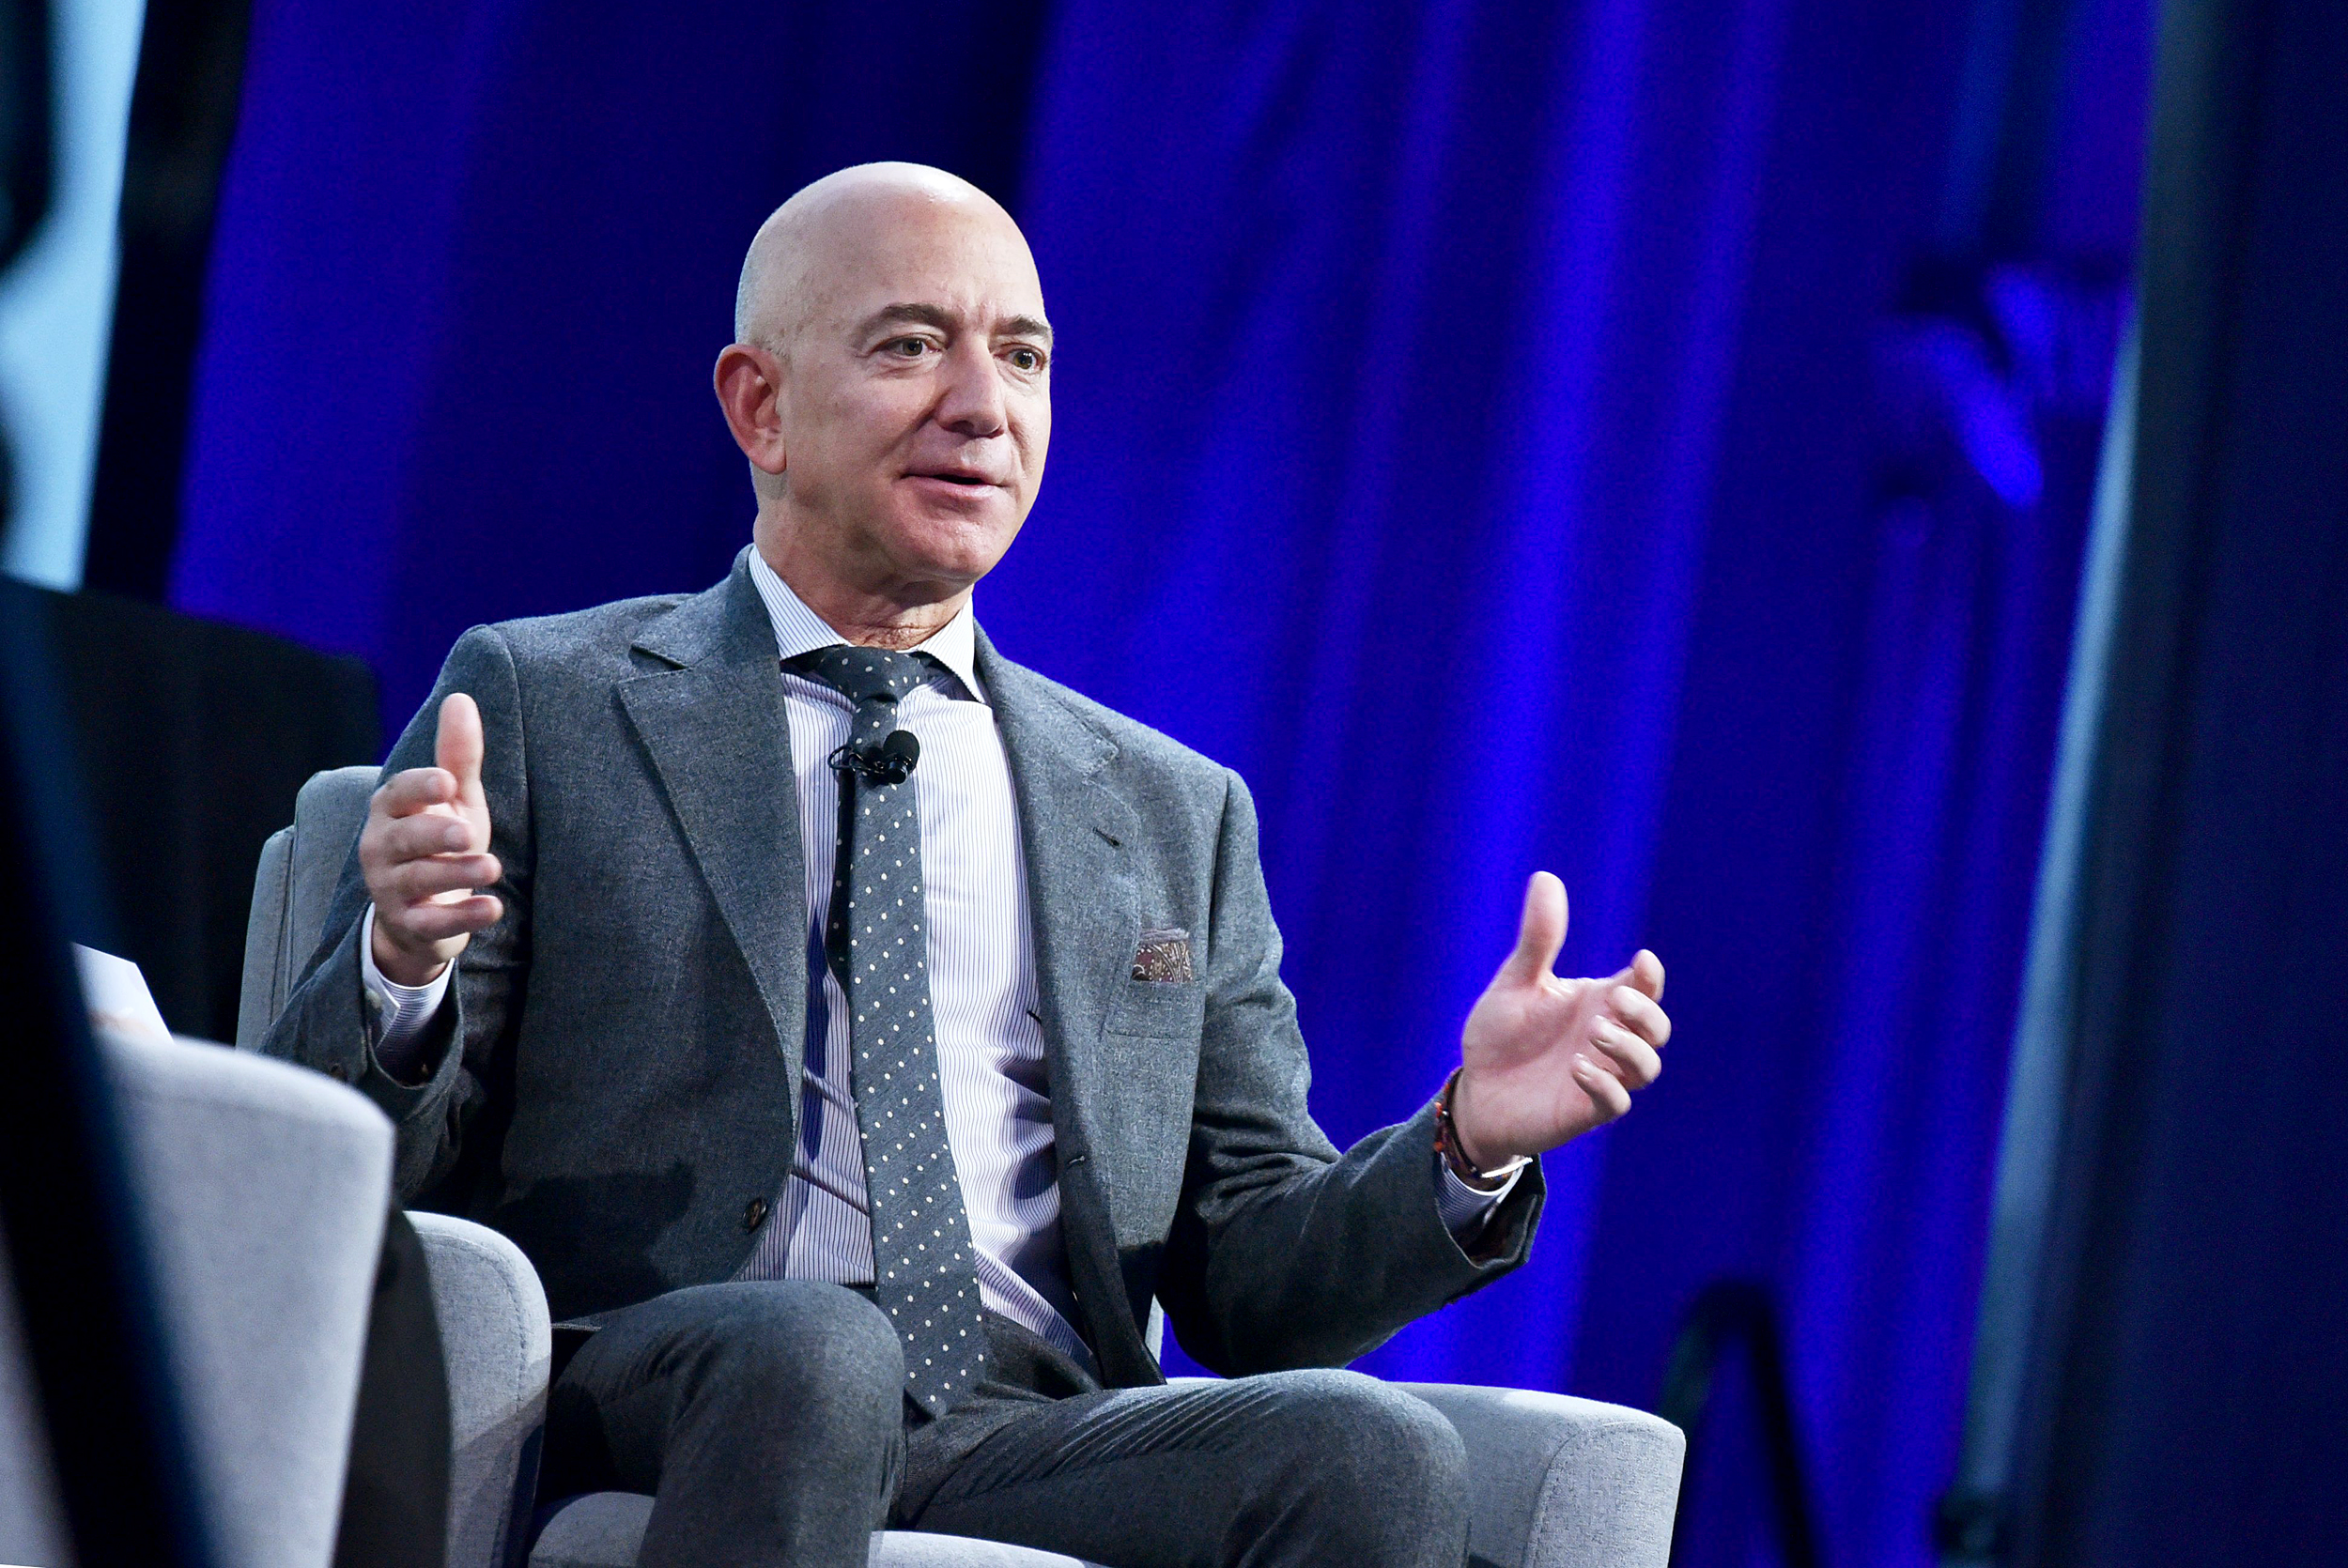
1559, 1482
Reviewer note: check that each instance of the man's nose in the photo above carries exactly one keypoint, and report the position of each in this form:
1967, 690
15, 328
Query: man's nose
972, 404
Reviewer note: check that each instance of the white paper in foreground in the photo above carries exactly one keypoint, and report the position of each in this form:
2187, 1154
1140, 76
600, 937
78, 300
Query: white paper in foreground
116, 995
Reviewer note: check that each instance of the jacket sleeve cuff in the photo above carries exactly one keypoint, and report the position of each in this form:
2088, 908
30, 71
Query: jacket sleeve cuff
1462, 1261
1466, 1208
400, 1017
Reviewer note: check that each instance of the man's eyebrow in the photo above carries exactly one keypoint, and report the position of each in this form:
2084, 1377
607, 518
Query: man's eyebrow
906, 314
913, 314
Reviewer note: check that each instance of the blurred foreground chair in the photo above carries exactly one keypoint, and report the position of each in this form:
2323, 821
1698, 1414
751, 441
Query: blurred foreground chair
1558, 1483
258, 1191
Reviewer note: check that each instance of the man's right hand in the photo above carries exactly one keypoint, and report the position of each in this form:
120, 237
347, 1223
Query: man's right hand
425, 849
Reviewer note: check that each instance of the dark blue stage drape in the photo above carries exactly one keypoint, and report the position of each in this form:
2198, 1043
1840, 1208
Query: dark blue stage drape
1471, 424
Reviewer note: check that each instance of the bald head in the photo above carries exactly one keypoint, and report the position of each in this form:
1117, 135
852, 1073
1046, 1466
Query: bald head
829, 228
890, 382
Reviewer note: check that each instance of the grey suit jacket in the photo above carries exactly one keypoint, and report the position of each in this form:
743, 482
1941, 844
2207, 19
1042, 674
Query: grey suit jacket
621, 1092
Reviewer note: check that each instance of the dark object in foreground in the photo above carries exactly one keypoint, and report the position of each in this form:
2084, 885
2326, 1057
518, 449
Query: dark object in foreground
189, 740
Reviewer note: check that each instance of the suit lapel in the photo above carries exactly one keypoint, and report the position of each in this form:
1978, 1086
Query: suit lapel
1081, 901
1080, 894
716, 730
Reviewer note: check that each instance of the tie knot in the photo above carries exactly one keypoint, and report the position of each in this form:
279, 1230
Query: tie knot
866, 674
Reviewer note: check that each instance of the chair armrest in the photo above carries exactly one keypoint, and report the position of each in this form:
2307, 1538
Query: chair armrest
495, 1338
1561, 1483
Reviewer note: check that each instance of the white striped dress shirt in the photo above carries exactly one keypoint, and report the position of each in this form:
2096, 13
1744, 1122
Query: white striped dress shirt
983, 992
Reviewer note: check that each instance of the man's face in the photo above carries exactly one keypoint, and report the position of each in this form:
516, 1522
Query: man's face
915, 395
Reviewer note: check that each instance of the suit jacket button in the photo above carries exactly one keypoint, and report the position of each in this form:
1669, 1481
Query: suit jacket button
753, 1213
339, 1073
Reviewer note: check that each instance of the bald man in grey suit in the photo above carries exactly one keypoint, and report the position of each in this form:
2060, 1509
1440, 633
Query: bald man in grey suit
858, 1223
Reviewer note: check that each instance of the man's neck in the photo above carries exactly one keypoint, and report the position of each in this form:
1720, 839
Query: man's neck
895, 616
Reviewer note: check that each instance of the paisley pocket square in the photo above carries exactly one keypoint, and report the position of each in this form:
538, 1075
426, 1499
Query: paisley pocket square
1164, 954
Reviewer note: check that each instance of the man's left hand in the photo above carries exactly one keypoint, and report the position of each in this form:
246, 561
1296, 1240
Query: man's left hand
1544, 1060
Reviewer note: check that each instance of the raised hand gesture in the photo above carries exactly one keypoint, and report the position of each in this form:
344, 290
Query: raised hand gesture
425, 851
1543, 1060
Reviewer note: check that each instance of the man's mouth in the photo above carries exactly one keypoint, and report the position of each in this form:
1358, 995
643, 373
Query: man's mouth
966, 477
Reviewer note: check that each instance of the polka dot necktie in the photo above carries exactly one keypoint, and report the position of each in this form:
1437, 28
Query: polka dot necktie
925, 1274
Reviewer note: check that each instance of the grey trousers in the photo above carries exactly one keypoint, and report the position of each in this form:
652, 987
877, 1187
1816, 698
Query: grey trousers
769, 1421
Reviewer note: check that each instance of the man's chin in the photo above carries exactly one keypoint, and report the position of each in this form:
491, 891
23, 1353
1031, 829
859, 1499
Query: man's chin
957, 544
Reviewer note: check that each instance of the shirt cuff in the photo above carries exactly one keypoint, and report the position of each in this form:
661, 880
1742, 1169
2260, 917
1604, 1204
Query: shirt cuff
1466, 1208
397, 1015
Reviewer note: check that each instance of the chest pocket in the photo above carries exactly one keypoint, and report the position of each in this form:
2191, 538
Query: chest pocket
1148, 1065
1159, 1009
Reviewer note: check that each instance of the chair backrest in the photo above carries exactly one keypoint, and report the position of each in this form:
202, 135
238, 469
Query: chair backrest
261, 1188
300, 866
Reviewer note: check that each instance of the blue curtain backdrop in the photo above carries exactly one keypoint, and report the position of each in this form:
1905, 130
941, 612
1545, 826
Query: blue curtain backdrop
1496, 429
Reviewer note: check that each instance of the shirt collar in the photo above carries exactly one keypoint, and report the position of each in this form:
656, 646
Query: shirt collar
800, 630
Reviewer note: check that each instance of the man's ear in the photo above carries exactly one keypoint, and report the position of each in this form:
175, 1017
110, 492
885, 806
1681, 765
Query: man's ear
748, 383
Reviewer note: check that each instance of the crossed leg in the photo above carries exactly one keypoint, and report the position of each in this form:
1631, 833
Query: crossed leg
1290, 1468
766, 1418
